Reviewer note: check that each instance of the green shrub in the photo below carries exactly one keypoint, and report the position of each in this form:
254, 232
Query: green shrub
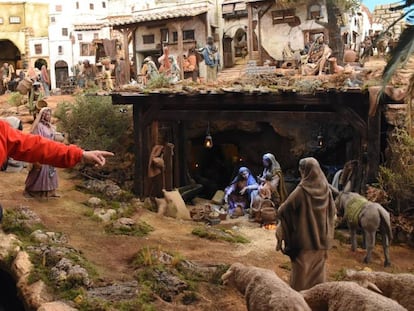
219, 234
92, 122
15, 99
140, 229
161, 81
396, 178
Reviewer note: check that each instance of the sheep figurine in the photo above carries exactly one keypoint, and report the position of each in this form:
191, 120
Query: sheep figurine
263, 289
399, 287
345, 296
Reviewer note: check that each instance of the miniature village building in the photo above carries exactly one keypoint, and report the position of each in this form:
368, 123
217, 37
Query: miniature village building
246, 123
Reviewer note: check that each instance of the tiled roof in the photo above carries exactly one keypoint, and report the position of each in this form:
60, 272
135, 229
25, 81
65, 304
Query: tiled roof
232, 1
79, 27
163, 13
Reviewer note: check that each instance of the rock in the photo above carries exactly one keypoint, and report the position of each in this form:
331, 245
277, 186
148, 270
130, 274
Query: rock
79, 275
25, 218
40, 236
94, 202
59, 276
49, 237
108, 188
115, 292
56, 306
123, 208
103, 214
52, 254
35, 294
168, 285
9, 244
65, 270
57, 237
22, 265
113, 191
64, 264
124, 223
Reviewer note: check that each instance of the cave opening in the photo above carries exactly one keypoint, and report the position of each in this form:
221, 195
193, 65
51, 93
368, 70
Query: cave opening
9, 299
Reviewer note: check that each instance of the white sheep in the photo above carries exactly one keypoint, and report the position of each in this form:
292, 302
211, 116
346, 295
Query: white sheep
263, 289
345, 296
399, 287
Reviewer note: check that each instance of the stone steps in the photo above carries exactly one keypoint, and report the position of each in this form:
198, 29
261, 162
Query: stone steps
232, 73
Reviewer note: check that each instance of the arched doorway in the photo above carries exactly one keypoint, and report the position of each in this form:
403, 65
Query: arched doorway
227, 52
234, 46
9, 53
62, 73
40, 62
240, 43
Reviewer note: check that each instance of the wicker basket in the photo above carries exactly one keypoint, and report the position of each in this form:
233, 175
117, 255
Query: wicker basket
24, 86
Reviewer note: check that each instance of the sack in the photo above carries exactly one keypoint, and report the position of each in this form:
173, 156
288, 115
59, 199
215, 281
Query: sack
59, 137
176, 206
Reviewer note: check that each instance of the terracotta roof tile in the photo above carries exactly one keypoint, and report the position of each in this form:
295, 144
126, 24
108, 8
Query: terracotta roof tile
80, 27
169, 12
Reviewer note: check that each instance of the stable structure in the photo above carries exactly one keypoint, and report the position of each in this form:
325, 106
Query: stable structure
350, 108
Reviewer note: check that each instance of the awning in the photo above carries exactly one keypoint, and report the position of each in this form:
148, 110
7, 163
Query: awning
164, 13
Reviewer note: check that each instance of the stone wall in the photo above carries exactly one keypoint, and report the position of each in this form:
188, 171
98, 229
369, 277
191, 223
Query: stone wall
383, 15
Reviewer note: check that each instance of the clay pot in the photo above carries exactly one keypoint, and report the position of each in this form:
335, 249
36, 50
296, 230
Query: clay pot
268, 215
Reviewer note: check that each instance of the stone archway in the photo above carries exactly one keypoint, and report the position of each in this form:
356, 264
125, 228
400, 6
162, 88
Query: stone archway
10, 53
62, 72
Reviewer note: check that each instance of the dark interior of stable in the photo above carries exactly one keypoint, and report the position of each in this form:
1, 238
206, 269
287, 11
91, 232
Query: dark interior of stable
215, 167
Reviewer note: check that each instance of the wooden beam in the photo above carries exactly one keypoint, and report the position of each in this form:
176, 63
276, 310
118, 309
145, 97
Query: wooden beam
373, 145
180, 47
250, 30
265, 116
232, 99
125, 34
182, 154
139, 152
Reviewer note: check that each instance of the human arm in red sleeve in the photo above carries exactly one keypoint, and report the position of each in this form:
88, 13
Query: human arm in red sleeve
33, 148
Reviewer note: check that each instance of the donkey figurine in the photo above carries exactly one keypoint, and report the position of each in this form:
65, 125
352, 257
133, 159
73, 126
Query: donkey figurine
370, 217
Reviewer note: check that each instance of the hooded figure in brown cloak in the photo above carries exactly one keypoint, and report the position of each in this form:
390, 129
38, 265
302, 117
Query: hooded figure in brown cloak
307, 219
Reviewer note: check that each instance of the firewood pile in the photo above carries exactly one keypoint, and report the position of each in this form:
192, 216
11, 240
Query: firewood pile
403, 229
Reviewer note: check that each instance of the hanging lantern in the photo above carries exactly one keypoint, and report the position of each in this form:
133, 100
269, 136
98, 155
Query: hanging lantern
208, 141
320, 140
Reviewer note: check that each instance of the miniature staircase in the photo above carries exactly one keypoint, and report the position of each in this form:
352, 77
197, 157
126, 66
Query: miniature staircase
233, 73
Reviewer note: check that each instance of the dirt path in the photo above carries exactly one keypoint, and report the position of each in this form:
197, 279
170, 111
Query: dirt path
112, 255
